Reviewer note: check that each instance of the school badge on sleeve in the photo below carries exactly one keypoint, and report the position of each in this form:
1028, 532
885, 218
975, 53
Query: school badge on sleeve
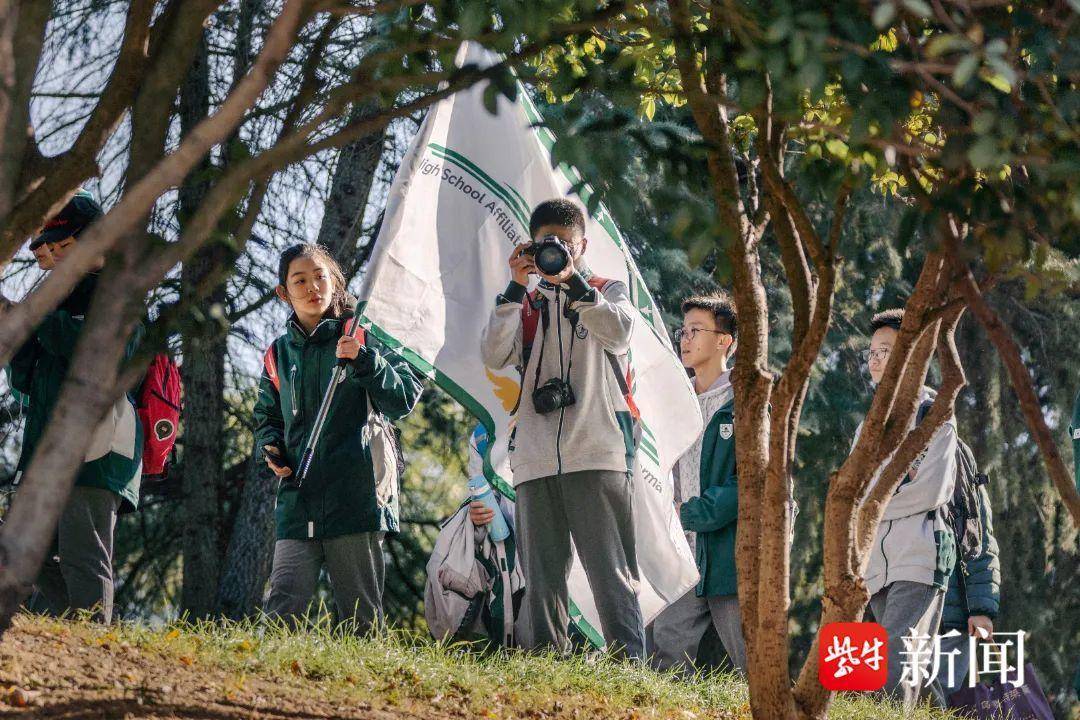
727, 430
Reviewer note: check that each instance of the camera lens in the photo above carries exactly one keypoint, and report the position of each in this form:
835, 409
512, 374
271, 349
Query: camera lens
551, 258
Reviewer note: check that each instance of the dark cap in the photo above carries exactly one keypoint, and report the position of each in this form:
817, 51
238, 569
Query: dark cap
81, 210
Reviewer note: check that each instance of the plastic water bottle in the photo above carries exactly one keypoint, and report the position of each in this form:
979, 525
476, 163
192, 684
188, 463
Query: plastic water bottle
481, 490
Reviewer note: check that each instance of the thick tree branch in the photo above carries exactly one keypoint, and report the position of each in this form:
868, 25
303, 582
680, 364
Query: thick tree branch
45, 184
124, 219
22, 35
1009, 351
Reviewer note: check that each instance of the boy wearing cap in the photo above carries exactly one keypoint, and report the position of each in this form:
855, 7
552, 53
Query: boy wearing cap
82, 578
42, 253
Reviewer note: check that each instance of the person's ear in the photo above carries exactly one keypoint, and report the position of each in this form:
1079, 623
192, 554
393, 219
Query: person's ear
584, 244
282, 294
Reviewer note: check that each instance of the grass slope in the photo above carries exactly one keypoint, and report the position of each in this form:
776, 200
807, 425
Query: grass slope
61, 669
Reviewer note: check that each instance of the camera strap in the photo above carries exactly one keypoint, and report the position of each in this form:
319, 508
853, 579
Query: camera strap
545, 322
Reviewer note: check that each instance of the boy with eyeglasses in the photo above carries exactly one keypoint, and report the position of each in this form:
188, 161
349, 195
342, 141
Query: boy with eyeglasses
914, 550
706, 495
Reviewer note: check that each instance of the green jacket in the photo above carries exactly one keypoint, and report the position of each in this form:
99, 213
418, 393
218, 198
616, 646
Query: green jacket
712, 515
982, 578
38, 370
338, 497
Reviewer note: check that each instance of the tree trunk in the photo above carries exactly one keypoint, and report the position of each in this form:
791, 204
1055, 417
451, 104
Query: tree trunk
251, 545
343, 216
203, 374
22, 33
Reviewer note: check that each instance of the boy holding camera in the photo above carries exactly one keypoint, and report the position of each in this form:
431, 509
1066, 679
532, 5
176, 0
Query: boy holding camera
574, 441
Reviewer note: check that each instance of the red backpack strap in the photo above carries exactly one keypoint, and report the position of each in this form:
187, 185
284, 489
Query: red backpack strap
360, 334
270, 366
530, 320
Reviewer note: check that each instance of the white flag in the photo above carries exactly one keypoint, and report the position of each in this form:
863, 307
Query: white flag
460, 202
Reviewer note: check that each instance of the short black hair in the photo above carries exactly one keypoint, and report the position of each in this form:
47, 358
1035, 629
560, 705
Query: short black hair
557, 211
887, 318
721, 307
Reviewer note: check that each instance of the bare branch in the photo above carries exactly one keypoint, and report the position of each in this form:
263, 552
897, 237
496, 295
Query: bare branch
123, 220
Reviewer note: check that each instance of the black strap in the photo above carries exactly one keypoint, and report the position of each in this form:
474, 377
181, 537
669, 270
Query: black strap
545, 322
614, 362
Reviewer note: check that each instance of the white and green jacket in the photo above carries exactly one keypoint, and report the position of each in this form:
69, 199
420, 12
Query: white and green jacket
596, 432
914, 541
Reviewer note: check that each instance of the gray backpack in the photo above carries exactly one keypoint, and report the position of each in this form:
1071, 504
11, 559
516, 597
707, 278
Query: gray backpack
466, 574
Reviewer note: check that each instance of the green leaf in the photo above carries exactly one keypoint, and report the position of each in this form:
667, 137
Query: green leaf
996, 81
883, 15
491, 98
984, 153
838, 148
648, 107
965, 69
918, 7
779, 29
983, 122
944, 44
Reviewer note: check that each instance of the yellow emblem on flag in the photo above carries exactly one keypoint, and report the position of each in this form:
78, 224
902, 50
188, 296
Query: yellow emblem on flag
505, 389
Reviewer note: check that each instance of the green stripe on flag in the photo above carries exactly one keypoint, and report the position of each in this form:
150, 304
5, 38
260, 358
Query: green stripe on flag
480, 413
649, 449
578, 619
521, 200
486, 180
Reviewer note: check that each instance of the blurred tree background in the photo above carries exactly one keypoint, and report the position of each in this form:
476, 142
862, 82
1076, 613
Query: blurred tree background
336, 198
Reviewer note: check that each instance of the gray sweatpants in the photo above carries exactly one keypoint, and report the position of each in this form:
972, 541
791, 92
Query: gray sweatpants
677, 631
357, 572
912, 609
80, 576
594, 508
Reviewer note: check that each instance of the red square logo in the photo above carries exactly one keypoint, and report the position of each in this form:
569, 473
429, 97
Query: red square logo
853, 656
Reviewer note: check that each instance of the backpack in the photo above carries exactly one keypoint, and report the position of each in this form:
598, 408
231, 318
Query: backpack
158, 402
466, 574
534, 312
969, 494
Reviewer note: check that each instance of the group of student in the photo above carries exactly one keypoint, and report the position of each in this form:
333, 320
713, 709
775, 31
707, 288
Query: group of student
572, 472
572, 467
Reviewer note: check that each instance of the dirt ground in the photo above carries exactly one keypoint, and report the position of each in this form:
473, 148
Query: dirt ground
50, 675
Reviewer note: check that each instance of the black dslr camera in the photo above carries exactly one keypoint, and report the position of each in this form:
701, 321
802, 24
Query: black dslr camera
549, 253
556, 393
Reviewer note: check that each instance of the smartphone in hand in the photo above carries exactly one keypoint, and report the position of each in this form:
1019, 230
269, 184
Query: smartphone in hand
275, 455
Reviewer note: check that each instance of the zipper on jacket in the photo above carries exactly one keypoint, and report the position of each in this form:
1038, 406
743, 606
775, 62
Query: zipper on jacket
292, 390
562, 410
883, 555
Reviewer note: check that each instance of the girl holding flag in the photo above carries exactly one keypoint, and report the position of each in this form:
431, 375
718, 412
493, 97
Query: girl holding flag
337, 509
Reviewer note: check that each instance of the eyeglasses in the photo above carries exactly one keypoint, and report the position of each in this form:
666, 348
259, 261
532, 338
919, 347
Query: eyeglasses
875, 354
680, 333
